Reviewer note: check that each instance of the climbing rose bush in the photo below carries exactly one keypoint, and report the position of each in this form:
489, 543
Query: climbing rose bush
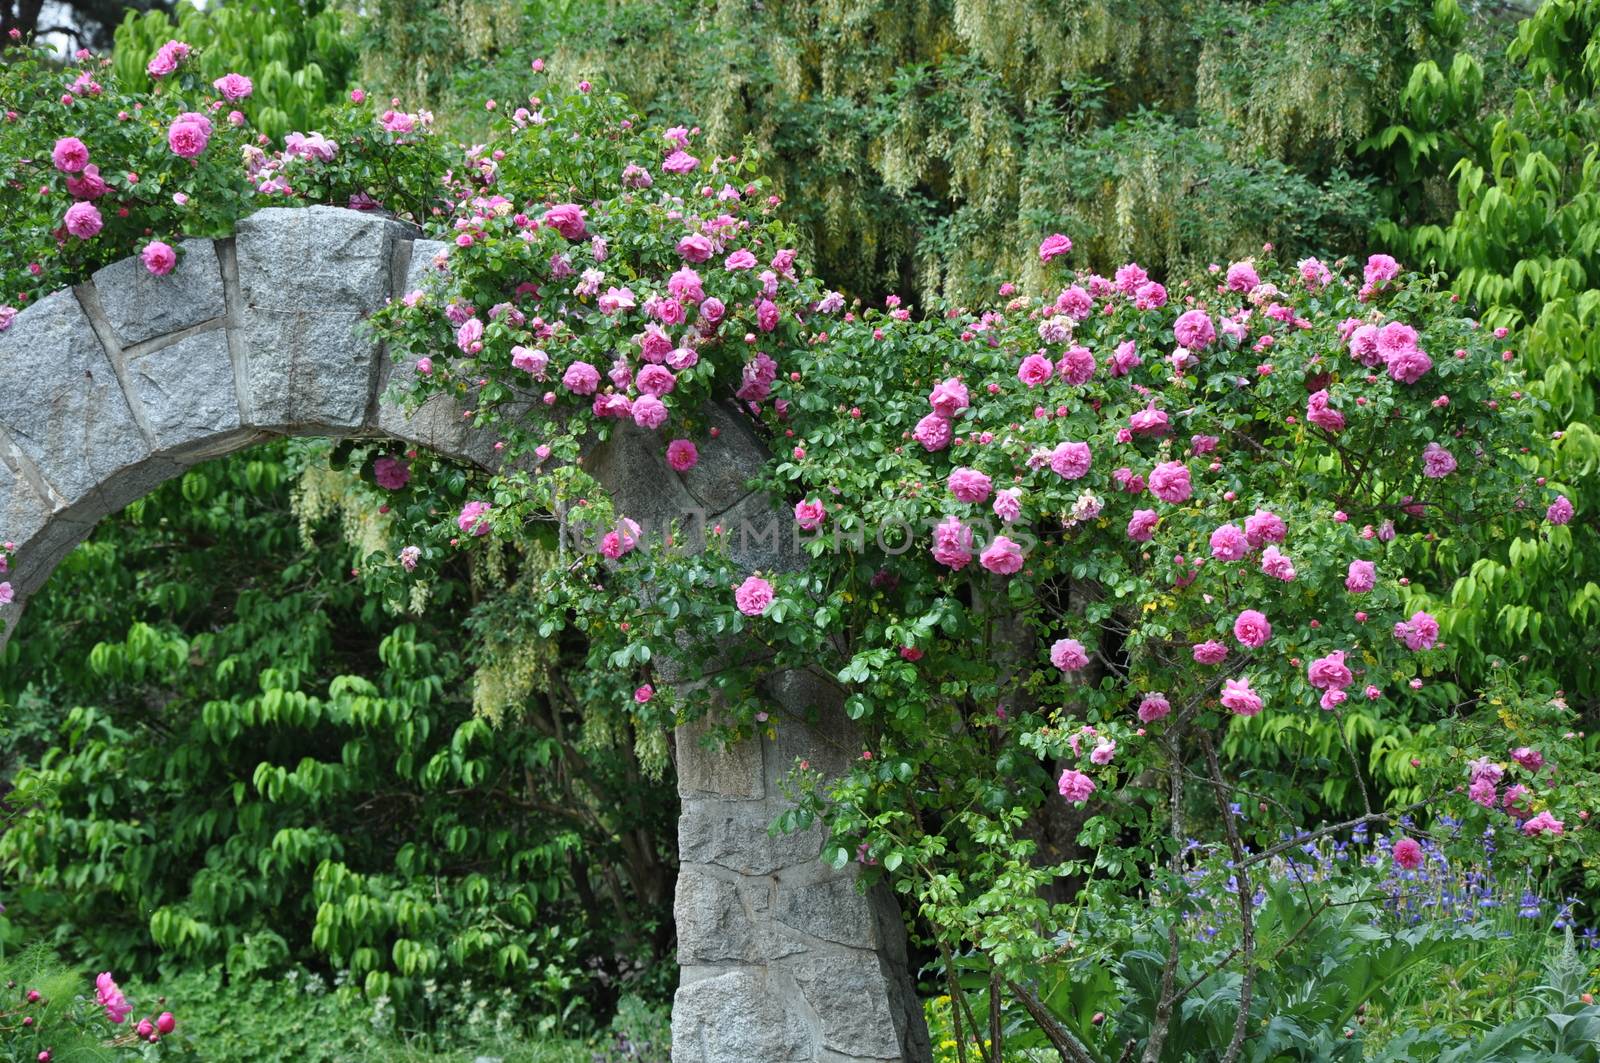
1056, 547
95, 169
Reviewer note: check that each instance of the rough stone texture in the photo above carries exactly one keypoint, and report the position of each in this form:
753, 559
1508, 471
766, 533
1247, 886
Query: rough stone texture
140, 306
850, 997
437, 423
727, 463
831, 910
758, 536
185, 389
734, 836
633, 467
784, 961
307, 278
736, 1017
62, 407
713, 925
726, 771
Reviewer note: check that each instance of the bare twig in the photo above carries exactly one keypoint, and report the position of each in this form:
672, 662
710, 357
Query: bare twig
1162, 1021
1068, 1047
1333, 828
1241, 887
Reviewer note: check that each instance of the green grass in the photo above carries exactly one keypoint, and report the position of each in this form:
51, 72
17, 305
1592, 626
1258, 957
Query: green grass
301, 1017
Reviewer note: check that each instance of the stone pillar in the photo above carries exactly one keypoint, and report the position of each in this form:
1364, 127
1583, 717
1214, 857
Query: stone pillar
784, 960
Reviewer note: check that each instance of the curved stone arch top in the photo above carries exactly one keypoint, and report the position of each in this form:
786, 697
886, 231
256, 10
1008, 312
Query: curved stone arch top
126, 381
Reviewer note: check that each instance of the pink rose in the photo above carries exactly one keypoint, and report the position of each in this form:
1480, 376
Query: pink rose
1421, 632
1361, 577
1142, 525
1242, 277
1408, 367
1075, 785
1124, 359
581, 378
952, 544
110, 997
1169, 482
530, 360
1069, 655
1319, 413
1035, 369
933, 432
1559, 511
234, 87
1150, 421
83, 220
949, 397
695, 248
1330, 672
69, 155
810, 514
684, 285
1229, 544
1008, 504
167, 58
1407, 854
1054, 247
970, 485
649, 412
1238, 698
655, 380
682, 455
568, 219
159, 258
1437, 462
1002, 557
1194, 330
753, 596
1264, 526
188, 138
1076, 366
1380, 269
390, 473
1543, 823
1252, 629
474, 518
622, 540
740, 259
1277, 564
1071, 460
1153, 707
767, 315
88, 184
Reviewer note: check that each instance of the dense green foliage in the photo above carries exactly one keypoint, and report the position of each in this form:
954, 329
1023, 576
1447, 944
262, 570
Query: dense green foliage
1523, 242
301, 54
243, 760
922, 146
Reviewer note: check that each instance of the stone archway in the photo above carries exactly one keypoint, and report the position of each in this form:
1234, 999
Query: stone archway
126, 381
